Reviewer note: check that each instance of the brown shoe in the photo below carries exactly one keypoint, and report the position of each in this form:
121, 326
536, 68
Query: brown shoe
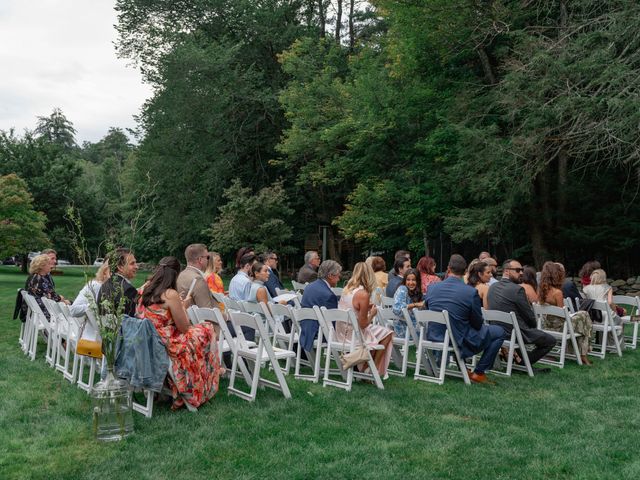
480, 378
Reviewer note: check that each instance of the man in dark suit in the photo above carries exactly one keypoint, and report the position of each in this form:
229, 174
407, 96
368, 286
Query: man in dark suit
319, 293
123, 269
309, 271
271, 261
465, 316
400, 266
508, 296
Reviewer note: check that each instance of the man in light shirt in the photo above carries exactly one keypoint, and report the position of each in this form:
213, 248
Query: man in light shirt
240, 285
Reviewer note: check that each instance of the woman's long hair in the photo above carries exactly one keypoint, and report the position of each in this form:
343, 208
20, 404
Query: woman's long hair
474, 273
362, 276
416, 294
427, 265
552, 276
529, 277
211, 266
164, 277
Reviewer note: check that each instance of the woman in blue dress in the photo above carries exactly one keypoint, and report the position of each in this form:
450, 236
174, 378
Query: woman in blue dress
408, 295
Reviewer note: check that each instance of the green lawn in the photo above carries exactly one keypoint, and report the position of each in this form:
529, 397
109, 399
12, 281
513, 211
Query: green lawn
571, 423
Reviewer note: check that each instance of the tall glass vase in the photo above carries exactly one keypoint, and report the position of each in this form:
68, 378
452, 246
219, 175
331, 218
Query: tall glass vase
112, 409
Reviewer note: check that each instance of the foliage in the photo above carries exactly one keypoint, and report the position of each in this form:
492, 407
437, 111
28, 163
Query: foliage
21, 227
260, 219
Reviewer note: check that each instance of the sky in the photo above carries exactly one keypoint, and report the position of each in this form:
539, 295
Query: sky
60, 54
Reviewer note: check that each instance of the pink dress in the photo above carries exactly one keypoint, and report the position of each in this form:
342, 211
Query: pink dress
372, 334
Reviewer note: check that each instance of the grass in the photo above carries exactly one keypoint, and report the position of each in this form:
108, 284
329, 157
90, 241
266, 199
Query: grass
571, 423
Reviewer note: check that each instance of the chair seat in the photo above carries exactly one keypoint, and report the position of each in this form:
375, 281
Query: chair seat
599, 327
400, 341
252, 354
436, 346
558, 335
346, 346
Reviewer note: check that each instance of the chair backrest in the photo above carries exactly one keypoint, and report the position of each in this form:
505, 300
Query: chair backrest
410, 328
282, 291
498, 316
569, 304
276, 314
192, 316
74, 323
540, 310
300, 314
251, 307
386, 302
36, 310
243, 319
91, 327
386, 317
214, 315
327, 317
425, 317
282, 310
633, 302
219, 297
231, 304
298, 285
605, 308
337, 291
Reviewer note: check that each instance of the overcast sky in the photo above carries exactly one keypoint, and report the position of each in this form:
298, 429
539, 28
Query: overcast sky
60, 53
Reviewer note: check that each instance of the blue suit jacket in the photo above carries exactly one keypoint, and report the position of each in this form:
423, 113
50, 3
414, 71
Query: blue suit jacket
316, 293
273, 282
465, 314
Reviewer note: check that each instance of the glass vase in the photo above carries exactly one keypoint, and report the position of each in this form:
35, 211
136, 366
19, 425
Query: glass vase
112, 409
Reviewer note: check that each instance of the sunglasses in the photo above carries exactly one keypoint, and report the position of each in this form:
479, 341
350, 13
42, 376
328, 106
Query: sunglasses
518, 270
205, 256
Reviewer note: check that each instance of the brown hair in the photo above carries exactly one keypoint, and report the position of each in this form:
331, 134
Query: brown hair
378, 264
552, 276
588, 268
427, 265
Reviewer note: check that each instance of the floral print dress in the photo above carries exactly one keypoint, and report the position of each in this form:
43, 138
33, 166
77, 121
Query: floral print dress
194, 356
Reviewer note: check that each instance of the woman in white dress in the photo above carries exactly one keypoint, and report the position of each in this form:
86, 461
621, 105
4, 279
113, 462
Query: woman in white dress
90, 291
356, 296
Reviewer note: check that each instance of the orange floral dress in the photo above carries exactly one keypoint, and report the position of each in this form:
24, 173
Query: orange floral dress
194, 357
214, 282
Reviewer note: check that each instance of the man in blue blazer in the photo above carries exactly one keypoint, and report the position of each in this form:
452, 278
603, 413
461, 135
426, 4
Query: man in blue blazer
465, 315
271, 261
319, 293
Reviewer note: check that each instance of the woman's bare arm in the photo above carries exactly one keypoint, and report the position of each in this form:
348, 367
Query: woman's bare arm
178, 313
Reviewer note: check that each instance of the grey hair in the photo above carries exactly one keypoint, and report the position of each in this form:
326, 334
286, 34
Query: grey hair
329, 267
309, 255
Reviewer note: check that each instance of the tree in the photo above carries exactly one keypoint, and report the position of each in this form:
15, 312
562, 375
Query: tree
21, 227
57, 129
259, 219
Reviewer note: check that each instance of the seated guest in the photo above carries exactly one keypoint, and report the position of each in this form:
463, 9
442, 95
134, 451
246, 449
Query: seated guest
240, 285
508, 296
356, 296
494, 270
212, 273
530, 284
241, 253
599, 290
408, 295
197, 258
586, 271
89, 292
465, 315
400, 266
273, 282
569, 290
400, 254
479, 276
123, 267
309, 271
258, 292
379, 266
319, 294
427, 268
483, 256
38, 283
192, 348
53, 256
550, 293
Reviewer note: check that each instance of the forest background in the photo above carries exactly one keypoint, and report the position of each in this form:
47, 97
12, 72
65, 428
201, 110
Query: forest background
442, 126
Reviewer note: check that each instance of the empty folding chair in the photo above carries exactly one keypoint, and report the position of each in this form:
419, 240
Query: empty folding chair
276, 314
565, 337
607, 329
447, 348
515, 340
262, 353
401, 345
346, 321
633, 309
74, 326
314, 356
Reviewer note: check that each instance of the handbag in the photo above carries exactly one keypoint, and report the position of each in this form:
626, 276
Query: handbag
87, 346
359, 355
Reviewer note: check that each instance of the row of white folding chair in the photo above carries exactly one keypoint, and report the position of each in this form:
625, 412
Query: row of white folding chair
607, 329
66, 338
572, 304
633, 304
565, 337
297, 286
37, 322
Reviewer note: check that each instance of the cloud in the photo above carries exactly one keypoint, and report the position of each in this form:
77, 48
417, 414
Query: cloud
60, 54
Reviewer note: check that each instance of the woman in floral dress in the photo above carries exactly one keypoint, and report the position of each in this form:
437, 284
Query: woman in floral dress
192, 348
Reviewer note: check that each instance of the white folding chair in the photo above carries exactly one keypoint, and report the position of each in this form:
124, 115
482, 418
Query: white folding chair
297, 286
74, 326
218, 297
515, 340
27, 326
633, 308
336, 347
386, 302
566, 336
40, 323
231, 305
61, 333
91, 331
275, 314
337, 291
447, 348
300, 314
568, 302
262, 353
607, 328
401, 345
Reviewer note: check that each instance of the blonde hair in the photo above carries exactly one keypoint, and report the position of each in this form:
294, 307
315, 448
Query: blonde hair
362, 276
211, 268
598, 277
104, 272
38, 262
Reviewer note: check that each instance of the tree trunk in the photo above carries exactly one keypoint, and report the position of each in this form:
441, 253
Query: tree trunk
322, 17
486, 66
338, 21
425, 240
352, 34
563, 163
